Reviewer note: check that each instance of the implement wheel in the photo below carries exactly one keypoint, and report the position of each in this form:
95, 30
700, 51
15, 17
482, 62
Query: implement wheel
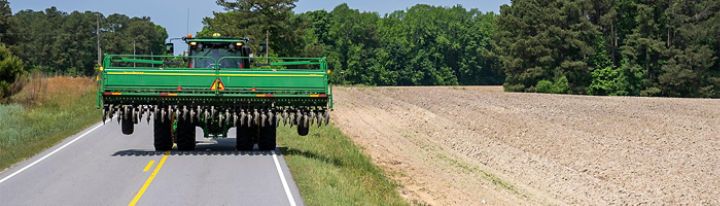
128, 127
185, 135
303, 130
244, 137
163, 135
268, 136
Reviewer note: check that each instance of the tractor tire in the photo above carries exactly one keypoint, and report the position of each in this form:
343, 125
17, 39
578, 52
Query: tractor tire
162, 135
268, 137
185, 134
245, 138
128, 126
303, 130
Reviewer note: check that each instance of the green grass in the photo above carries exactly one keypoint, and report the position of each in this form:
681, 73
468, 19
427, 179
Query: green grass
329, 169
25, 132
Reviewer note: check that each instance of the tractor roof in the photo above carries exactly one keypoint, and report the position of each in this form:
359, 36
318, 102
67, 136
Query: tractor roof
215, 39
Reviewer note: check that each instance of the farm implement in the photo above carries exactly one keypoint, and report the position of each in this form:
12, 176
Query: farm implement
219, 85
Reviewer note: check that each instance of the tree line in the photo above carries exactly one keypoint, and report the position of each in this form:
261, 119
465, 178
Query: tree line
611, 47
423, 45
61, 43
596, 47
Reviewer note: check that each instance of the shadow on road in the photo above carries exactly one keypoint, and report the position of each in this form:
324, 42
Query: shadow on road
223, 147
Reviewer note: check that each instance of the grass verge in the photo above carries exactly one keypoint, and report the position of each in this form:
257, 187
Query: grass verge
67, 107
329, 169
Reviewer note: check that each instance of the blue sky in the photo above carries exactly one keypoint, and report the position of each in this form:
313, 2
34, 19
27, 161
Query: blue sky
173, 14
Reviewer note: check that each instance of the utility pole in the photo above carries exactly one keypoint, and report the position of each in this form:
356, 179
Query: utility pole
97, 30
187, 23
134, 52
267, 47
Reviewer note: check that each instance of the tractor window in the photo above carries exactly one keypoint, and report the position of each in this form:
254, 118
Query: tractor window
216, 53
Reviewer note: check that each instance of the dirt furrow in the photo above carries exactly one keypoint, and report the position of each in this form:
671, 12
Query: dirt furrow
464, 145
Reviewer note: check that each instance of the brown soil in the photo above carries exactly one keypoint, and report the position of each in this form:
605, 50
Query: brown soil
480, 145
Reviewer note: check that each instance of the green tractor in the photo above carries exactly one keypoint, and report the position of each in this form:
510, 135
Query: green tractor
217, 86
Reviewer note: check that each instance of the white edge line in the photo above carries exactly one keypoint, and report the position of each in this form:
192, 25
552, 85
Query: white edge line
49, 154
284, 182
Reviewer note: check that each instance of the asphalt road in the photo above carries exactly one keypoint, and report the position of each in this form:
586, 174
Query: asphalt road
100, 166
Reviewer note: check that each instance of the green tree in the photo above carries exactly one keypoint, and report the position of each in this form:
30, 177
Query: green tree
424, 45
618, 47
7, 23
253, 18
547, 39
62, 43
691, 66
11, 68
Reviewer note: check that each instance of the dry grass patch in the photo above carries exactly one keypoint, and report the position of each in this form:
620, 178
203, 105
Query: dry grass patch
46, 111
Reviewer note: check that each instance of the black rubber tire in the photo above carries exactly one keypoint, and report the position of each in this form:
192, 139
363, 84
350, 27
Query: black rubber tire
185, 133
128, 127
162, 135
303, 130
268, 137
245, 137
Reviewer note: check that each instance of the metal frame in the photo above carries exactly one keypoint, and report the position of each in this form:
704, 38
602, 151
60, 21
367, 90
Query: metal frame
272, 83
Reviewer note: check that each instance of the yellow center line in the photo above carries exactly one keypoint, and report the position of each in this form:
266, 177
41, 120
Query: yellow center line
149, 180
148, 165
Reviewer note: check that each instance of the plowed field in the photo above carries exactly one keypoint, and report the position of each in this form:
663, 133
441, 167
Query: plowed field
480, 145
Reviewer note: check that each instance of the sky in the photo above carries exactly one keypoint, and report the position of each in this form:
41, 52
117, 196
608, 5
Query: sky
173, 14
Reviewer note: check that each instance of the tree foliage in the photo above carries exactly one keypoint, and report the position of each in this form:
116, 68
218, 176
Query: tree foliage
597, 47
612, 47
11, 68
253, 18
423, 45
65, 43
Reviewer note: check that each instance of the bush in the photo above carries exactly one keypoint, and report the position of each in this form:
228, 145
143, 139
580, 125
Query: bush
544, 86
619, 81
560, 86
513, 87
608, 81
11, 68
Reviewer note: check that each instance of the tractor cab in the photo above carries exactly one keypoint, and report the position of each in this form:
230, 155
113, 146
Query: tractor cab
218, 52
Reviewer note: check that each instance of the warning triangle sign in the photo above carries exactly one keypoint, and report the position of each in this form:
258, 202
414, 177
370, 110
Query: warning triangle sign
217, 85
